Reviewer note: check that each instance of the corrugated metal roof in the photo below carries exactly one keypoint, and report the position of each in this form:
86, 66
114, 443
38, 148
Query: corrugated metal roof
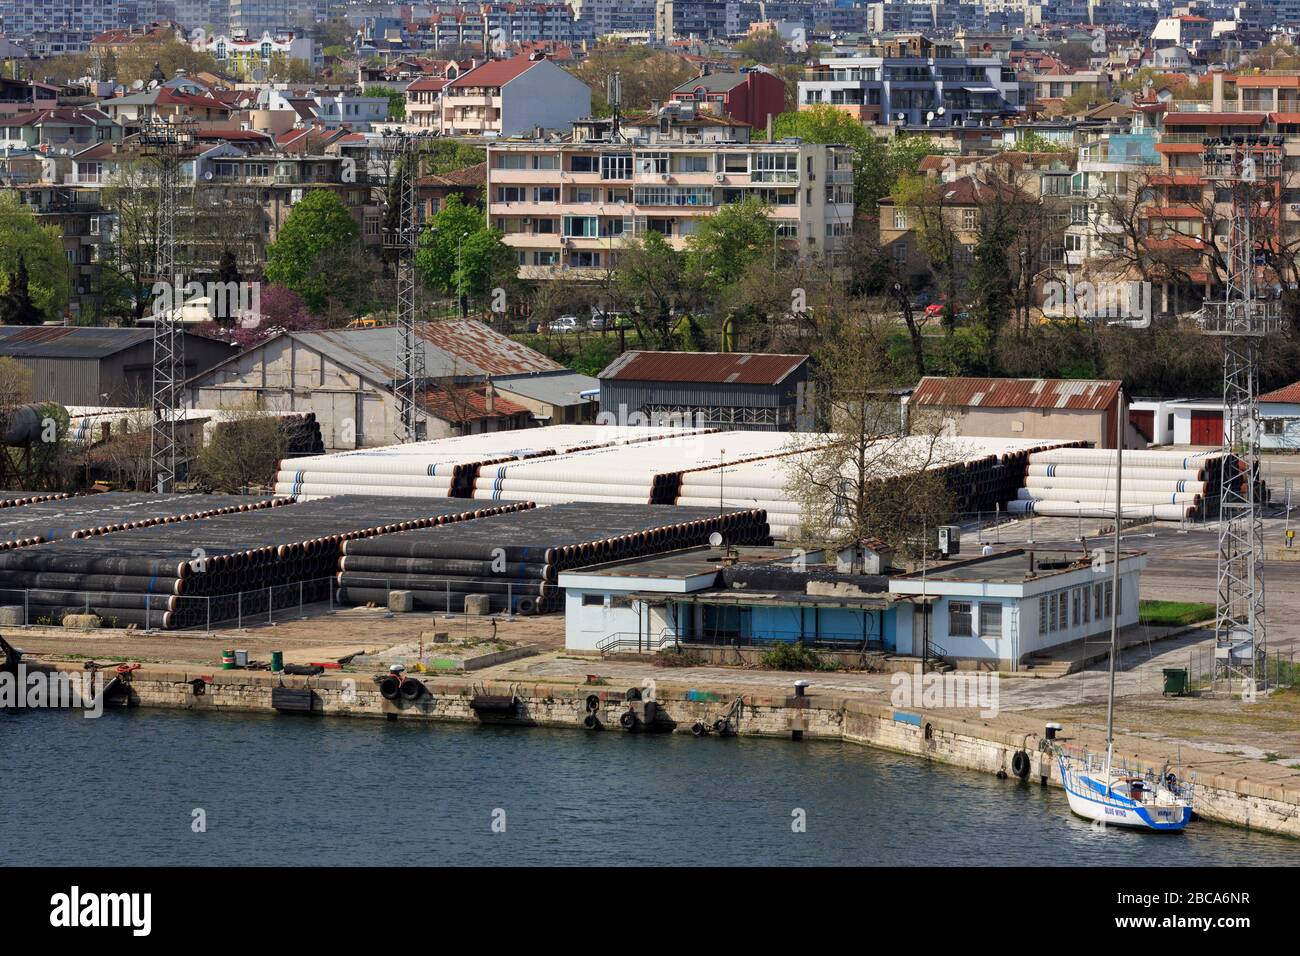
721, 368
553, 388
69, 342
1083, 394
452, 349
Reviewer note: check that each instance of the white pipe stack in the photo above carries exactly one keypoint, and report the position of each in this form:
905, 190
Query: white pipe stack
1080, 482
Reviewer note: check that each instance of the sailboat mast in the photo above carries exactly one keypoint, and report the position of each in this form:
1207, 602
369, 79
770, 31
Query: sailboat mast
1120, 431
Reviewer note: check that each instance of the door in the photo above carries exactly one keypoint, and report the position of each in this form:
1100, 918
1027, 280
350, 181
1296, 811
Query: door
1207, 427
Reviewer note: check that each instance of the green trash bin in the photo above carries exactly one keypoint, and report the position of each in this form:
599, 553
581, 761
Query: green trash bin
1175, 681
277, 661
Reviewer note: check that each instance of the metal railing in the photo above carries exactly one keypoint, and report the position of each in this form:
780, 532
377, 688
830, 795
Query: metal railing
639, 643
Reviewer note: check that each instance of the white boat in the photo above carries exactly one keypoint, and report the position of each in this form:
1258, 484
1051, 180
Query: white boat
1096, 788
1099, 791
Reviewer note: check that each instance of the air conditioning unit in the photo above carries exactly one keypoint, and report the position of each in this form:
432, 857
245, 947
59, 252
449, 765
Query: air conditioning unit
665, 177
720, 178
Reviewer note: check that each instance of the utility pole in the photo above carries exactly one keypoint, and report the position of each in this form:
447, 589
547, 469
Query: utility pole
165, 143
1250, 167
402, 170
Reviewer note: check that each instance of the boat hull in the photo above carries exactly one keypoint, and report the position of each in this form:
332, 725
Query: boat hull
1139, 817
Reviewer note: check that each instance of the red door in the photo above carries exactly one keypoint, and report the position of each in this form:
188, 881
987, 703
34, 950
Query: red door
1207, 428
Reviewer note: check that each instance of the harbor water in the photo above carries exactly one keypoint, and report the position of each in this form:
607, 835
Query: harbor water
185, 788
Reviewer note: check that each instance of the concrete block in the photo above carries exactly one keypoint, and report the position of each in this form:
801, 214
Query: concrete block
477, 604
81, 622
12, 615
400, 602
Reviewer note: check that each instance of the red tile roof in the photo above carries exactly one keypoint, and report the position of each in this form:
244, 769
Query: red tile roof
494, 73
1016, 393
1290, 394
468, 404
722, 368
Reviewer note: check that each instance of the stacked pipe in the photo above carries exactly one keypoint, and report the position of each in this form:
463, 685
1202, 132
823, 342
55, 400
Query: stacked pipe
1166, 485
233, 565
982, 473
441, 466
515, 560
15, 499
89, 515
646, 473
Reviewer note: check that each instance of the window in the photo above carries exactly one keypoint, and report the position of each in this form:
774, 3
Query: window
1075, 613
546, 194
544, 226
900, 218
1096, 601
691, 164
652, 164
593, 600
776, 168
959, 619
512, 194
970, 219
1042, 615
1063, 610
581, 226
1051, 612
546, 161
900, 254
1087, 604
616, 166
990, 620
582, 164
512, 161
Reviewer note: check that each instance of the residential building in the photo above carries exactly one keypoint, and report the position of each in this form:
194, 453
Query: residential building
513, 97
250, 56
56, 27
424, 103
751, 95
937, 88
1279, 418
256, 17
732, 390
566, 206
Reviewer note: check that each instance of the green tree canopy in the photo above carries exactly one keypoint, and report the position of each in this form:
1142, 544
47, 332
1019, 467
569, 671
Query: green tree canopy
319, 226
396, 100
728, 242
31, 255
460, 254
877, 163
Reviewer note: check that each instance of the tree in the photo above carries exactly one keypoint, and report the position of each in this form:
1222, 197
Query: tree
444, 156
647, 75
459, 254
16, 306
319, 226
653, 283
877, 164
396, 101
33, 255
725, 244
867, 478
245, 450
765, 47
133, 198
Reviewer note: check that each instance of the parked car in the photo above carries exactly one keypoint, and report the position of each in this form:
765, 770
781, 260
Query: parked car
600, 322
565, 323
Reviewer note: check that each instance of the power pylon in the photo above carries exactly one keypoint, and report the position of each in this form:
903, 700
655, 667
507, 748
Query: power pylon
164, 143
1249, 167
402, 167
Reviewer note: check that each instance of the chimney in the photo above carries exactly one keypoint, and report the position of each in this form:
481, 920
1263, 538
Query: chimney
489, 398
1216, 97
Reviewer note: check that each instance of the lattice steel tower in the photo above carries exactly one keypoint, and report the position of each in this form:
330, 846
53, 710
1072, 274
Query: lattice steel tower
1250, 168
402, 169
164, 143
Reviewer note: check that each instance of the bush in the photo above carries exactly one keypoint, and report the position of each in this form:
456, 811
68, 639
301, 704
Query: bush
791, 657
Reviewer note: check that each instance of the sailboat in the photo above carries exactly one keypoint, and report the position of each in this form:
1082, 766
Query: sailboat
1097, 789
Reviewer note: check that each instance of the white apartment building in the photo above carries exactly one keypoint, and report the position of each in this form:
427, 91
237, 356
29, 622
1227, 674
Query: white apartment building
566, 207
513, 97
914, 90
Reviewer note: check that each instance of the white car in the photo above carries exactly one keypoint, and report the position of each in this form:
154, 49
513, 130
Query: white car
565, 323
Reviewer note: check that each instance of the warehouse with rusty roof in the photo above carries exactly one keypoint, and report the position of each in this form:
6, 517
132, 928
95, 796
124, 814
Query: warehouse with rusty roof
732, 390
1067, 409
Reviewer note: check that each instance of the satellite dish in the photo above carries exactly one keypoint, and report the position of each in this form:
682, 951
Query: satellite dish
715, 540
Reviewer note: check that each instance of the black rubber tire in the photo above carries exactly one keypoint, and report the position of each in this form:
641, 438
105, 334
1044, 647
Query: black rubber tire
390, 688
591, 722
411, 689
628, 720
698, 729
633, 693
720, 726
593, 703
1020, 764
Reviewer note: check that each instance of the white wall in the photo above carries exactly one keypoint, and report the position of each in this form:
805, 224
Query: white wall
1289, 414
545, 95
